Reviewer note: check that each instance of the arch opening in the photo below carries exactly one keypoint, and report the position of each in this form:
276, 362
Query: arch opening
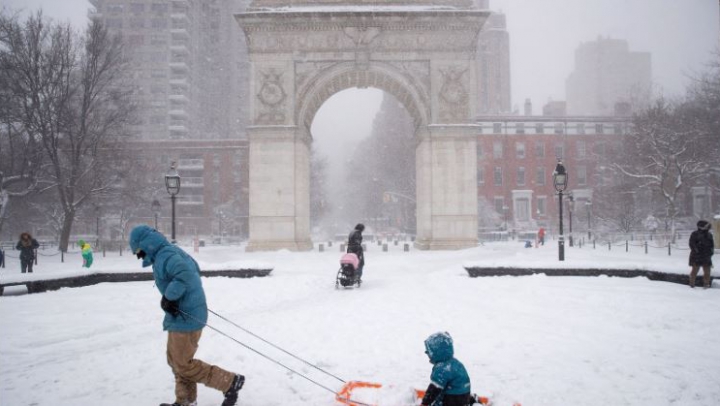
362, 165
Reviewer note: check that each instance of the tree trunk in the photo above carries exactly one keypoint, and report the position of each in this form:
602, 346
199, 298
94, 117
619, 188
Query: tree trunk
65, 232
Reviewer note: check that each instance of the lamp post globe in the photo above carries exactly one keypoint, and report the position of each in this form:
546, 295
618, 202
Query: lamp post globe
172, 183
560, 181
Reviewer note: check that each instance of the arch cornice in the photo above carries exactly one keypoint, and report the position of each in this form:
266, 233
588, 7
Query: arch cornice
397, 80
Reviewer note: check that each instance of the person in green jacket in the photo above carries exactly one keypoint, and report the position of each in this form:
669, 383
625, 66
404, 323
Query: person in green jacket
87, 253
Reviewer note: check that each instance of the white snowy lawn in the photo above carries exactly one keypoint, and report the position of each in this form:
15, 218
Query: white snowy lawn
537, 340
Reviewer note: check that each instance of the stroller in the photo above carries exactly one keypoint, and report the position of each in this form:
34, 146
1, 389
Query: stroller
347, 275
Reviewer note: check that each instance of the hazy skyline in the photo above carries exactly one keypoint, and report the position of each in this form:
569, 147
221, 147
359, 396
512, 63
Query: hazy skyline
680, 35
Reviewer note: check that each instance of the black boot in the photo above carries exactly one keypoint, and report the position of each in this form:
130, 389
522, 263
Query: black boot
231, 395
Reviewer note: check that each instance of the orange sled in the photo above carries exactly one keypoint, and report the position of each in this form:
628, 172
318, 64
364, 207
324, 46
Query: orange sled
355, 393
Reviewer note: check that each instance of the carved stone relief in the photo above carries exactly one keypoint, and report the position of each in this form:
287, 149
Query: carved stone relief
272, 98
453, 94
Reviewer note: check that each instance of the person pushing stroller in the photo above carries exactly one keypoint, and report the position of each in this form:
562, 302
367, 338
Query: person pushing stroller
355, 246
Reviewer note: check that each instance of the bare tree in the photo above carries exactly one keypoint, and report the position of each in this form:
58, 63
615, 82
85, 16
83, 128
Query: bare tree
20, 154
74, 102
661, 152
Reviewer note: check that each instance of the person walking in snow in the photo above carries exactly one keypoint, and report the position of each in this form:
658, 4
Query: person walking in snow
355, 247
702, 248
87, 253
541, 236
177, 277
449, 381
27, 247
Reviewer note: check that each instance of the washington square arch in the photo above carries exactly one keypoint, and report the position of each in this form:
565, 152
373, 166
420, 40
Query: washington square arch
302, 52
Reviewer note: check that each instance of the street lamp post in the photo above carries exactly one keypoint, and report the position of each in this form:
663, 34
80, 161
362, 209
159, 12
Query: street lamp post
172, 183
588, 205
156, 211
560, 180
571, 206
505, 213
220, 224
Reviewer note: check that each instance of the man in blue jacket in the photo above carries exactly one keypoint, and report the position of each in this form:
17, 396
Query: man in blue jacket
177, 277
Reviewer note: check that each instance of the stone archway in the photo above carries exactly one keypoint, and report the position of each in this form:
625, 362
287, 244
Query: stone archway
303, 52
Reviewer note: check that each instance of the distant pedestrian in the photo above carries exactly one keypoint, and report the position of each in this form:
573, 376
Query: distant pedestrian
541, 236
28, 249
702, 248
87, 253
355, 246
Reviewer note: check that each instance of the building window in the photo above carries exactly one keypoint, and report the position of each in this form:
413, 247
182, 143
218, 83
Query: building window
499, 203
136, 39
114, 23
539, 128
581, 128
479, 150
540, 176
520, 150
541, 205
559, 151
497, 149
519, 128
137, 23
521, 176
497, 128
618, 129
498, 176
580, 148
481, 176
522, 209
159, 8
540, 149
159, 23
599, 128
581, 175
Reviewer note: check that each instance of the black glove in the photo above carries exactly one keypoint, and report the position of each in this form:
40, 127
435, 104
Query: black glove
170, 306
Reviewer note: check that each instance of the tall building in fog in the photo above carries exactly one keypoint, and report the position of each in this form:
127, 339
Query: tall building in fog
188, 85
493, 64
607, 74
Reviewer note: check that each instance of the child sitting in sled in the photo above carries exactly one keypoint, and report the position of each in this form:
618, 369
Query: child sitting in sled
449, 381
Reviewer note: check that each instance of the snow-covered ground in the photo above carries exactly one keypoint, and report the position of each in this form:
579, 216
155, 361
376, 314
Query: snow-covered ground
537, 340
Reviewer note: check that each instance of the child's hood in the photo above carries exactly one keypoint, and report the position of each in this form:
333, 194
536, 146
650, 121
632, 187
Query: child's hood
439, 347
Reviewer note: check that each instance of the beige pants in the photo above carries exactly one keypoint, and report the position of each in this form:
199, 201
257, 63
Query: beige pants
181, 348
706, 275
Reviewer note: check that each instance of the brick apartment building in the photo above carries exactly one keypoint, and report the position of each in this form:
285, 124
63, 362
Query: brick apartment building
516, 159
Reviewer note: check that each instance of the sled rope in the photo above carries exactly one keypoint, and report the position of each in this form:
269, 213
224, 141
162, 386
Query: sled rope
276, 347
267, 357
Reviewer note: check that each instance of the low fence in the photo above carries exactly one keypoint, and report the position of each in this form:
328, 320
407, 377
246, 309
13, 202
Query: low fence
683, 279
37, 286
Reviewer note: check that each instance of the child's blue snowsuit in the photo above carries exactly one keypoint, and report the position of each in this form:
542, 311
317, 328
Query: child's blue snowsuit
449, 381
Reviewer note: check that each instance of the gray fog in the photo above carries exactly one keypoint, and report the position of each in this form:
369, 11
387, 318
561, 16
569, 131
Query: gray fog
544, 35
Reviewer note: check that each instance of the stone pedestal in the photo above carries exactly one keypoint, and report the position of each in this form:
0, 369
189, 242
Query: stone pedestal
279, 189
446, 161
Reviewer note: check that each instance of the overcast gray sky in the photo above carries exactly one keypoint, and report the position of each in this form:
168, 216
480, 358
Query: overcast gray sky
544, 34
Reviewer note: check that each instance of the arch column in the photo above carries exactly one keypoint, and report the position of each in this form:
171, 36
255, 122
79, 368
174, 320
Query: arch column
279, 188
446, 178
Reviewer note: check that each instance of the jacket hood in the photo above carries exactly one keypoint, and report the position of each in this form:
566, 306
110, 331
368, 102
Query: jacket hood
147, 239
439, 347
703, 225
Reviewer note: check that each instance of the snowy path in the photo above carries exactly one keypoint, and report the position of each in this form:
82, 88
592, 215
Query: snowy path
539, 340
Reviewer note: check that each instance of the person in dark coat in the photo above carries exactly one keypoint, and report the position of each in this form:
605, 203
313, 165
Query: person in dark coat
27, 246
355, 247
177, 277
702, 248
